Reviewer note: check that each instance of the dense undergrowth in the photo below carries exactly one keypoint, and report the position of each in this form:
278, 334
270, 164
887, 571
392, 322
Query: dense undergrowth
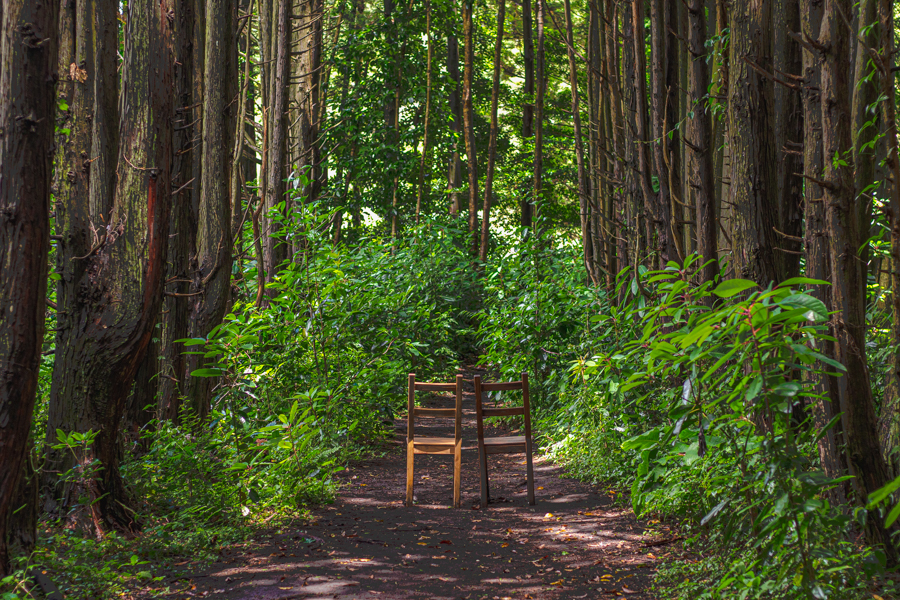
696, 398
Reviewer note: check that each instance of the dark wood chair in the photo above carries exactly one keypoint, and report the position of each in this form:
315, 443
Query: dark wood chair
513, 444
433, 445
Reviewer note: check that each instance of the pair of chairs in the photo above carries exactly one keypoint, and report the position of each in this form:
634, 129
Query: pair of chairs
453, 445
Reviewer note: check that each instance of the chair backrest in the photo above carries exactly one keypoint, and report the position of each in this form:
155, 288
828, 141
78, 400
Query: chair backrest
481, 411
414, 412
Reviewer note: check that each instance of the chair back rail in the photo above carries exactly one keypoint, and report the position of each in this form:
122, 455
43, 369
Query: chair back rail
512, 444
433, 445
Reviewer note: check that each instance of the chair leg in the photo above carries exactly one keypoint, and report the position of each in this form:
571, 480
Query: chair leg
482, 464
457, 473
529, 477
410, 455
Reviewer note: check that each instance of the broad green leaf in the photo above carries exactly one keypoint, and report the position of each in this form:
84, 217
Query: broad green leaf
732, 287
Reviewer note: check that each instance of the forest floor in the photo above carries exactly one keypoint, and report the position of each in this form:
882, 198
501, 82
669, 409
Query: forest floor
578, 541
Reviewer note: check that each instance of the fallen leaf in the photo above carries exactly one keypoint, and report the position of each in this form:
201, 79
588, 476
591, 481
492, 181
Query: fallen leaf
548, 516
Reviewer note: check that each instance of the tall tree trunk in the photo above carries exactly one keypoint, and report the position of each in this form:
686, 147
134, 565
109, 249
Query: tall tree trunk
789, 141
847, 230
617, 136
120, 290
890, 411
211, 279
274, 249
492, 145
700, 143
183, 220
454, 177
309, 95
588, 249
666, 138
599, 172
526, 204
421, 198
751, 142
538, 161
639, 190
818, 261
469, 119
28, 74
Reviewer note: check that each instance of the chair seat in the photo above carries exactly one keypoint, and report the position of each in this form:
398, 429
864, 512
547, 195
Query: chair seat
512, 444
510, 440
434, 441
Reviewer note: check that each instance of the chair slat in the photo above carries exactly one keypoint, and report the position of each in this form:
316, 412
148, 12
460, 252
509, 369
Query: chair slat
499, 387
503, 412
435, 387
434, 412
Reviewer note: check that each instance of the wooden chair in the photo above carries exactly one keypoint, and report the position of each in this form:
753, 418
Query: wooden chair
433, 445
513, 444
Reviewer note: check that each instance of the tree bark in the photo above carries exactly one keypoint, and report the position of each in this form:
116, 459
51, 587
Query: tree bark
183, 219
587, 246
538, 161
420, 195
274, 248
454, 177
492, 144
845, 213
753, 183
818, 262
28, 75
789, 138
526, 204
211, 277
666, 138
701, 144
120, 288
469, 119
890, 411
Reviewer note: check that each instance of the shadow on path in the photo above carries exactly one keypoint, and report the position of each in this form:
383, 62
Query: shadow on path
575, 543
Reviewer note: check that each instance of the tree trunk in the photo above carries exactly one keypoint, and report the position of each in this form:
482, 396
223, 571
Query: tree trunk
492, 145
617, 135
469, 118
816, 241
700, 144
751, 118
538, 161
211, 278
309, 67
28, 74
183, 220
274, 249
454, 178
588, 249
121, 285
890, 411
526, 204
844, 213
420, 195
789, 142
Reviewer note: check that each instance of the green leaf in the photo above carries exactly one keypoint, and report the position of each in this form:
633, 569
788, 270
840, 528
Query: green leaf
732, 287
802, 281
878, 495
816, 309
207, 372
892, 516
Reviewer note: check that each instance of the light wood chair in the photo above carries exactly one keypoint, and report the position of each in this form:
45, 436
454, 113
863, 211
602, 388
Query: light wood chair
513, 444
434, 445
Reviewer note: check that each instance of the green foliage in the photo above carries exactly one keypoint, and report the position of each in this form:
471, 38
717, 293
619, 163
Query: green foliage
700, 398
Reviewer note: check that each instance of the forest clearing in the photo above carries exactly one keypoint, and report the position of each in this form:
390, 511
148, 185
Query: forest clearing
231, 230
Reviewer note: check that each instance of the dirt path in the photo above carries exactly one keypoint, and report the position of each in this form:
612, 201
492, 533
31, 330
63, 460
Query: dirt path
575, 543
